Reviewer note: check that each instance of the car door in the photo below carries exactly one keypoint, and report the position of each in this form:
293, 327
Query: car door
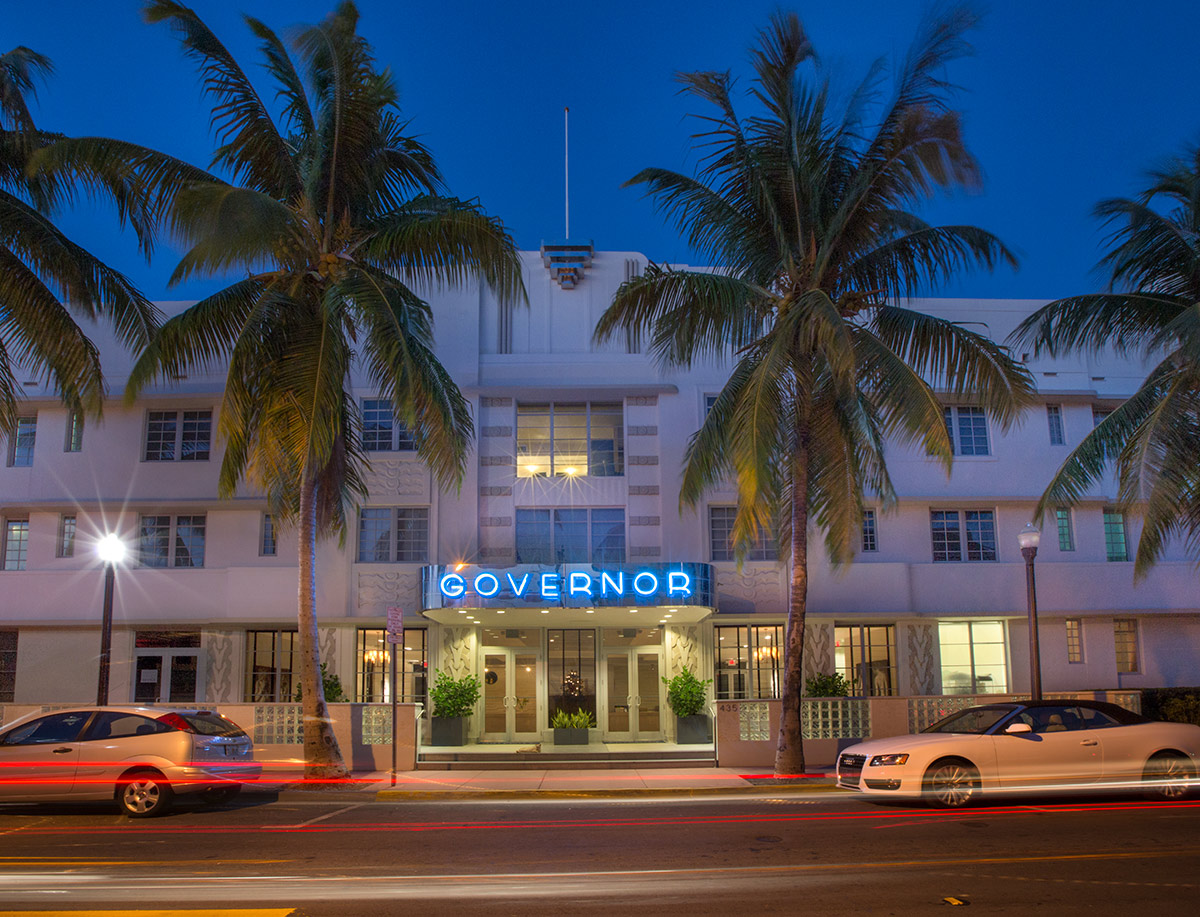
1058, 752
38, 759
112, 741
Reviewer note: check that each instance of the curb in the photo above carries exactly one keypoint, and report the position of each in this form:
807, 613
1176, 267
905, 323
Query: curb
638, 792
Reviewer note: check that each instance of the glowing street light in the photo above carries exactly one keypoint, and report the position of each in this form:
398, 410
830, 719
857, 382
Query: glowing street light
111, 551
1029, 538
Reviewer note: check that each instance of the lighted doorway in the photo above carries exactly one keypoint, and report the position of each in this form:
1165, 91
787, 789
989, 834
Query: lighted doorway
632, 688
512, 673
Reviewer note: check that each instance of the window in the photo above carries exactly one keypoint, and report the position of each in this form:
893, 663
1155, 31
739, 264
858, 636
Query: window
184, 436
720, 535
749, 662
8, 665
373, 667
74, 441
1115, 548
1066, 533
16, 543
567, 440
20, 444
1099, 415
570, 536
393, 535
974, 660
1055, 421
571, 668
865, 656
947, 533
171, 541
1125, 638
382, 431
269, 661
53, 729
266, 544
66, 536
967, 429
709, 402
869, 540
1074, 640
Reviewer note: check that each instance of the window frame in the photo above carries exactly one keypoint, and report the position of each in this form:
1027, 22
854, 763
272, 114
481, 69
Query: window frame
268, 541
74, 438
68, 532
1074, 636
1132, 643
400, 438
971, 624
953, 415
751, 678
595, 458
8, 663
556, 547
870, 532
21, 561
19, 455
1054, 422
963, 544
183, 448
1065, 527
373, 639
861, 640
395, 539
764, 550
173, 556
278, 652
1114, 524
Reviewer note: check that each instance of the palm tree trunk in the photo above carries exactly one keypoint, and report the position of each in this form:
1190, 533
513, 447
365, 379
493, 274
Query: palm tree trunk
789, 753
322, 757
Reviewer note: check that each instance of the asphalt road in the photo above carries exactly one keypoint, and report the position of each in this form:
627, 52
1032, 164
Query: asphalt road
345, 853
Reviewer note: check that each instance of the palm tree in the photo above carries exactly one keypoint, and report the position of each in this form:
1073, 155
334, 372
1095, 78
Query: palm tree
1151, 308
332, 211
806, 208
46, 280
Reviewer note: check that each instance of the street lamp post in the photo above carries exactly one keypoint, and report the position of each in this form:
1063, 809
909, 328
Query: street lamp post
1029, 538
111, 551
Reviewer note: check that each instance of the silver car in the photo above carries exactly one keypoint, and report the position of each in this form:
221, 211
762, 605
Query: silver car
141, 757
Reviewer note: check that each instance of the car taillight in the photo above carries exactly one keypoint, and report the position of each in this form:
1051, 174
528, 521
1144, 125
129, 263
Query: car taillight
175, 721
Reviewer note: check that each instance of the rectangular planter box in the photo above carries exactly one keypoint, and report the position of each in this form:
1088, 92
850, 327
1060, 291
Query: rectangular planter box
693, 730
448, 730
570, 737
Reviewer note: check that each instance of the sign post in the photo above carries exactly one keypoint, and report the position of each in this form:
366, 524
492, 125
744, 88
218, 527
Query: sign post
395, 643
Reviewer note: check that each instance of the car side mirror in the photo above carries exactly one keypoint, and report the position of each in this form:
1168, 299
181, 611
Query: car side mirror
1016, 729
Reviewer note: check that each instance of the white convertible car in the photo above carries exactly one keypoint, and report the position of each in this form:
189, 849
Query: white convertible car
1038, 746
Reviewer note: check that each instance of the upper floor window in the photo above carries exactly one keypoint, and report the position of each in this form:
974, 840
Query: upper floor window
1054, 420
74, 442
1066, 533
570, 536
870, 541
1115, 547
67, 525
20, 443
1125, 637
570, 439
967, 429
184, 436
16, 543
949, 526
266, 544
1099, 415
393, 535
720, 535
382, 431
171, 541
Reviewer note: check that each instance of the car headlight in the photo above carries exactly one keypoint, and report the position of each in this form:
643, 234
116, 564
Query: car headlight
885, 760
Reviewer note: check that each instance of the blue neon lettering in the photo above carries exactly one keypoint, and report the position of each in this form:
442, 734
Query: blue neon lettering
485, 577
550, 585
606, 580
452, 585
518, 591
679, 582
645, 574
579, 583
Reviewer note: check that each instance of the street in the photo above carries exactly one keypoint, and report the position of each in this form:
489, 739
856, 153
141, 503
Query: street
314, 853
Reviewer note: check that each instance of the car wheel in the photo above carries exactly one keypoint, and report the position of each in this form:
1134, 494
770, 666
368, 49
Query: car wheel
219, 795
143, 794
951, 784
1169, 776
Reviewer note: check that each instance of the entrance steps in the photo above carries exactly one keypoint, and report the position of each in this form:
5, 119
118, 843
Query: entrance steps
573, 757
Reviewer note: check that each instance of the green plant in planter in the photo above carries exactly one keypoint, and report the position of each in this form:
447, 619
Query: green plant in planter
827, 686
454, 696
580, 719
687, 695
334, 692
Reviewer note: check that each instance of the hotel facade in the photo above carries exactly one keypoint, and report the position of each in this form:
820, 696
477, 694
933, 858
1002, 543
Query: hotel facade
564, 573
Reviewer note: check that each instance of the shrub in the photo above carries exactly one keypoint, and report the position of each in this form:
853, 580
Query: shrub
580, 719
827, 686
454, 696
687, 695
1179, 705
334, 692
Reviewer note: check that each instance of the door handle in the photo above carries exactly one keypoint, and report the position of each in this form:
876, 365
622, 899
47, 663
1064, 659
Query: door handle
506, 700
638, 700
62, 751
629, 700
1089, 742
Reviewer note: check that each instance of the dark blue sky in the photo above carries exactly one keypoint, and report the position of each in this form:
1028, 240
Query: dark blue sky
1066, 102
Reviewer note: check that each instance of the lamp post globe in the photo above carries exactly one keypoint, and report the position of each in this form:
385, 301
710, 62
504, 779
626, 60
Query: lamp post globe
111, 551
1029, 538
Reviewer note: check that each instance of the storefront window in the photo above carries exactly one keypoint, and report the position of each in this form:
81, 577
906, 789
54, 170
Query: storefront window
269, 656
373, 667
749, 662
865, 655
571, 657
974, 659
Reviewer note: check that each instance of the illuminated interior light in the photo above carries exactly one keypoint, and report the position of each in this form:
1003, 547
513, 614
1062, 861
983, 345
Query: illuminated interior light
571, 470
499, 611
633, 611
532, 469
545, 611
590, 611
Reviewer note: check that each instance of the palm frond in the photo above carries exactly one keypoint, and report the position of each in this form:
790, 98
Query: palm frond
20, 70
1094, 322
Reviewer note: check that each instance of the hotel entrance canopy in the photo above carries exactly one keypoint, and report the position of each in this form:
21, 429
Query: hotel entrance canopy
537, 595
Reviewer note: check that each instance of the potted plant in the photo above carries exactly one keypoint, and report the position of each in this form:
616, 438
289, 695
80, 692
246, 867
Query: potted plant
453, 701
687, 696
572, 728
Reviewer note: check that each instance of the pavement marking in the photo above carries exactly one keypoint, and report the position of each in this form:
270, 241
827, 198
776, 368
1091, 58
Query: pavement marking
67, 862
313, 821
976, 875
36, 821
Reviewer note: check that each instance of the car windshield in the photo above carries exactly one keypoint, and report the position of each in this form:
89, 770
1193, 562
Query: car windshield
212, 724
974, 721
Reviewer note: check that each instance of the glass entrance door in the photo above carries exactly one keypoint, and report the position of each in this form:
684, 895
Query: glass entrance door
165, 678
510, 694
633, 697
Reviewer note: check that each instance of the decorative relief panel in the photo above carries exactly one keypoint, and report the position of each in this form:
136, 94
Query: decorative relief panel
643, 490
495, 402
684, 650
505, 491
644, 401
644, 520
642, 431
497, 431
645, 551
642, 460
496, 521
327, 641
818, 648
458, 651
394, 477
922, 659
379, 590
754, 583
220, 679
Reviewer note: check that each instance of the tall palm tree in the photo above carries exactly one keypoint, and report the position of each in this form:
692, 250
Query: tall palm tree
46, 280
1151, 308
805, 206
331, 212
